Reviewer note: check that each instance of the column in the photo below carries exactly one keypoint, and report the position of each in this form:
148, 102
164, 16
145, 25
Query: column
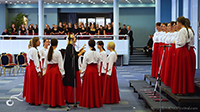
41, 17
194, 23
157, 11
3, 17
116, 17
186, 8
174, 10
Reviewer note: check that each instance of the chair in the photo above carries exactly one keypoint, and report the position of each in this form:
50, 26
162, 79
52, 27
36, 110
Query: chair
6, 65
25, 55
21, 62
11, 59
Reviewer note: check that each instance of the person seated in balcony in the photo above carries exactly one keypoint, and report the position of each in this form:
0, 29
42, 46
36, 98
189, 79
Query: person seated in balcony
6, 33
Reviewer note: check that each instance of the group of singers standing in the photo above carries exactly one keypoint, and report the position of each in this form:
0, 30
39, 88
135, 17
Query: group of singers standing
174, 42
50, 80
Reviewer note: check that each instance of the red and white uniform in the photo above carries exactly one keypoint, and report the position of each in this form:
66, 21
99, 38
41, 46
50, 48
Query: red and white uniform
53, 86
183, 78
33, 83
103, 68
91, 88
111, 90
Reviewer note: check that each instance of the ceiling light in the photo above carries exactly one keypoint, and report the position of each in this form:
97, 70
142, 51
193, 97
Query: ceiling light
70, 3
6, 1
48, 3
29, 1
14, 3
82, 3
89, 0
26, 3
76, 0
44, 2
17, 1
10, 2
56, 2
21, 2
65, 0
52, 0
59, 3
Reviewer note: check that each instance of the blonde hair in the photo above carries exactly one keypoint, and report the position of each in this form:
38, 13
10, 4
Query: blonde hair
30, 44
112, 46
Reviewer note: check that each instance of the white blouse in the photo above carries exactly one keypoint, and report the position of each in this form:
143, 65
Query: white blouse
33, 55
43, 52
182, 38
162, 35
103, 58
174, 35
112, 58
168, 38
191, 40
155, 37
56, 59
89, 58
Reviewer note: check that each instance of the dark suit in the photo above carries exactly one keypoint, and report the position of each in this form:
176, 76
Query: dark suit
130, 34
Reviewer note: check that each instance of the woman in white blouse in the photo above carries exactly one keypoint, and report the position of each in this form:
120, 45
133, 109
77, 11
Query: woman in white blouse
183, 79
191, 46
111, 90
53, 94
33, 87
103, 65
91, 90
155, 59
44, 51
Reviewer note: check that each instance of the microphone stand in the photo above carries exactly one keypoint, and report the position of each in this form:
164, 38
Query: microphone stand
158, 80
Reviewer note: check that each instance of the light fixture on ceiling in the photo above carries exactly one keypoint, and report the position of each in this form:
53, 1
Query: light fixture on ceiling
140, 1
152, 1
82, 3
76, 0
25, 3
70, 3
10, 2
21, 2
44, 2
59, 3
65, 0
48, 3
14, 3
29, 1
56, 2
52, 0
89, 0
6, 1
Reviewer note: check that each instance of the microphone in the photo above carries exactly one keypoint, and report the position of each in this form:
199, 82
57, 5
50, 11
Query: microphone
165, 45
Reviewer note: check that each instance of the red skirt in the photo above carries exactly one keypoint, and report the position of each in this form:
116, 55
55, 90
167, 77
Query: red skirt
91, 91
53, 87
102, 80
42, 78
183, 80
32, 85
155, 61
169, 66
30, 34
36, 34
193, 60
164, 63
69, 90
25, 81
111, 90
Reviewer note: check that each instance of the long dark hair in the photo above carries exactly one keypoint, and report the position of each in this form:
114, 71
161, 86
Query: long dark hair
54, 42
182, 20
92, 43
34, 41
101, 44
188, 24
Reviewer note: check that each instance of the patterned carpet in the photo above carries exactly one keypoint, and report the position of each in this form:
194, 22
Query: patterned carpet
10, 85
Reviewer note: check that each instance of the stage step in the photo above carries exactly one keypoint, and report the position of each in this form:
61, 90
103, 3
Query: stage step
181, 100
155, 106
139, 58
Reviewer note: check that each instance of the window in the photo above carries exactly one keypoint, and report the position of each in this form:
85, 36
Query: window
108, 20
83, 20
100, 21
91, 20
